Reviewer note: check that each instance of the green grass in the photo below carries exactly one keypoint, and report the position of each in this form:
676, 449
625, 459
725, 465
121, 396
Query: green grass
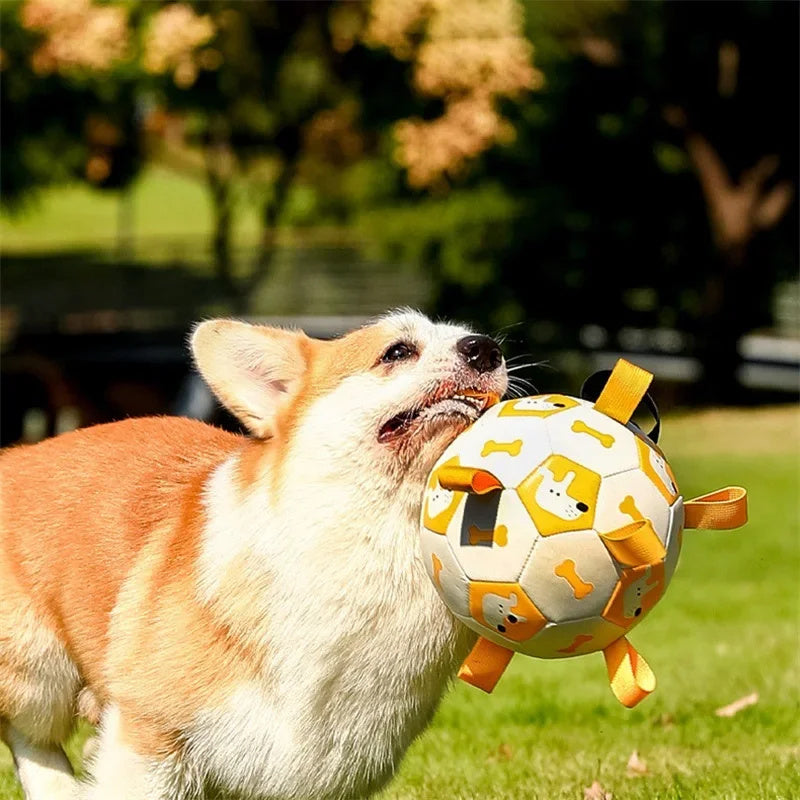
729, 625
165, 204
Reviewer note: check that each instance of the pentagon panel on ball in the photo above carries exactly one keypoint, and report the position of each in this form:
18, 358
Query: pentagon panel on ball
553, 525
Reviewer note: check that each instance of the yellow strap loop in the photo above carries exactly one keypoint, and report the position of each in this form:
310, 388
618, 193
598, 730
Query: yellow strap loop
723, 509
624, 390
467, 479
484, 666
630, 676
635, 544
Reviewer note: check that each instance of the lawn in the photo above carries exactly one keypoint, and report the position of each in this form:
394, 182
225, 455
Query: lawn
728, 626
163, 205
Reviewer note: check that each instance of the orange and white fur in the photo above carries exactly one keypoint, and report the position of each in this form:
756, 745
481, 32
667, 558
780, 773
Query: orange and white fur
250, 615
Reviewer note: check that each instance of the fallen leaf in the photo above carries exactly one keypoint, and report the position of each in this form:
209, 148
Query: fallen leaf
664, 720
596, 792
636, 766
737, 705
503, 753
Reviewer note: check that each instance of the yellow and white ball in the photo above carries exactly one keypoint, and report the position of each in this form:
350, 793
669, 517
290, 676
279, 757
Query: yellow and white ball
570, 543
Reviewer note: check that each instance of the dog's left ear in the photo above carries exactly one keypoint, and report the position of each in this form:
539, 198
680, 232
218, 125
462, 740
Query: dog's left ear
254, 370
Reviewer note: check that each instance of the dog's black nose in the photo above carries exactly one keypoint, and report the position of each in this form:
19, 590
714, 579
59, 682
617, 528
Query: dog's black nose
481, 353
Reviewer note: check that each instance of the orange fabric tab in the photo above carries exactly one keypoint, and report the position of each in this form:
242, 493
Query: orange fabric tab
721, 510
630, 676
485, 664
467, 479
626, 387
635, 544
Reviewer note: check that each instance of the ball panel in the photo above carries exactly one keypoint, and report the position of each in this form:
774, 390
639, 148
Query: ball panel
482, 630
569, 576
560, 495
655, 466
443, 569
628, 497
572, 638
508, 447
492, 537
593, 439
674, 539
505, 610
511, 454
638, 590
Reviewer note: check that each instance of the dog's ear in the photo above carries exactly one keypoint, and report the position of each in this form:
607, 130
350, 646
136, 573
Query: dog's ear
254, 370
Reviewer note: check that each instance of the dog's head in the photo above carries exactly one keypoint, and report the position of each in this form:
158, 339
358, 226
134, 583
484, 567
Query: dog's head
388, 396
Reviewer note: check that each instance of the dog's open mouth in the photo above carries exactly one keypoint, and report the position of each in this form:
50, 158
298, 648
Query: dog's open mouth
467, 405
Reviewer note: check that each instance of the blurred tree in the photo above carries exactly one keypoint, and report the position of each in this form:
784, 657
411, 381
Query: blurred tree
289, 105
648, 183
68, 98
732, 100
467, 53
298, 93
648, 187
246, 78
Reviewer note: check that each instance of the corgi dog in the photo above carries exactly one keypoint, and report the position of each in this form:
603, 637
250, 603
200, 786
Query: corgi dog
249, 615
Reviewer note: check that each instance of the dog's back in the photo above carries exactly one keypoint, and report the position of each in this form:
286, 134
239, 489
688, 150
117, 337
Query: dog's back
142, 468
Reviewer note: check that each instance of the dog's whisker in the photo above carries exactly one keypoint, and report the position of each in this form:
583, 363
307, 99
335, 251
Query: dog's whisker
517, 357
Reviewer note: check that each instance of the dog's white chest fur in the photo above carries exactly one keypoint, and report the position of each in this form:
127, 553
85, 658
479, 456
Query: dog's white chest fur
355, 666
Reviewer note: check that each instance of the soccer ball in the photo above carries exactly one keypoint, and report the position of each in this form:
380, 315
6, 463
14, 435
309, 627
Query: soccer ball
536, 564
553, 525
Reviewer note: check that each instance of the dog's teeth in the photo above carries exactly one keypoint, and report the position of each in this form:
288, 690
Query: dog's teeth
475, 402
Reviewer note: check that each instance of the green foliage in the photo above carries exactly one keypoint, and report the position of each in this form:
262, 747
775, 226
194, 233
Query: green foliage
454, 237
605, 203
50, 120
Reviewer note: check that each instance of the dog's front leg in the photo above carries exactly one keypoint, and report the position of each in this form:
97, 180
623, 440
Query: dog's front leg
118, 771
43, 770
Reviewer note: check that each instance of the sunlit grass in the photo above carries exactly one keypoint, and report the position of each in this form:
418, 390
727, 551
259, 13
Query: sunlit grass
163, 204
729, 625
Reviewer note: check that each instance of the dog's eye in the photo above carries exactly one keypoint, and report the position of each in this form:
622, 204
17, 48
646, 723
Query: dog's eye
399, 351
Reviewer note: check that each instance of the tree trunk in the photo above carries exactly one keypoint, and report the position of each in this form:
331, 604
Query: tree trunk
270, 216
221, 239
737, 211
220, 174
721, 329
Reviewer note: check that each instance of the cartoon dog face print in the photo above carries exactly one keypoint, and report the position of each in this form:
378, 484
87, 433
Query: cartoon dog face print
553, 496
634, 593
440, 503
659, 465
639, 589
439, 500
655, 466
560, 495
498, 611
505, 609
542, 405
539, 403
